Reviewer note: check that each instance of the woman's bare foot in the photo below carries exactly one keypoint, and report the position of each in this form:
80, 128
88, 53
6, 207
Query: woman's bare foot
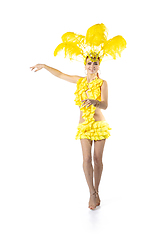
97, 199
92, 201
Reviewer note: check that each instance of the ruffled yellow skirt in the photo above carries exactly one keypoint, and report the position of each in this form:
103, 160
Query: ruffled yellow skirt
96, 130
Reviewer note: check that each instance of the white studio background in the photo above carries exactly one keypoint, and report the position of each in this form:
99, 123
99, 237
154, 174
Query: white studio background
43, 192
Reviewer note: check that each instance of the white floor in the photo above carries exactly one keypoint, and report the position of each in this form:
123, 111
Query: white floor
48, 199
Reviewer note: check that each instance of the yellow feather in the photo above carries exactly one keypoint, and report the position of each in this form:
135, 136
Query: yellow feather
71, 50
59, 48
73, 37
96, 35
114, 46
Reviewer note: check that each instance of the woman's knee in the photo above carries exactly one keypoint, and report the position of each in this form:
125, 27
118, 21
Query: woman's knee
97, 160
87, 159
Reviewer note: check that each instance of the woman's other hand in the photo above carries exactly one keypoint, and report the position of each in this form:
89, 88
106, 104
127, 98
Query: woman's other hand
88, 102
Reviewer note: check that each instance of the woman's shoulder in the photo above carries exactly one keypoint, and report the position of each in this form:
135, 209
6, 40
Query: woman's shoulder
104, 82
101, 81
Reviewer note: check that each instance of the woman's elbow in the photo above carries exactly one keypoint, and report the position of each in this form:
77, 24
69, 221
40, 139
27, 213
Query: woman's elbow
106, 106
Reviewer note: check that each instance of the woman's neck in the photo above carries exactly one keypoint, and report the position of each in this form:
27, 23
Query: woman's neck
91, 77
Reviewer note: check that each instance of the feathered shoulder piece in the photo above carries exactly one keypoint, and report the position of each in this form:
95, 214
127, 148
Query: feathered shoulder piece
94, 45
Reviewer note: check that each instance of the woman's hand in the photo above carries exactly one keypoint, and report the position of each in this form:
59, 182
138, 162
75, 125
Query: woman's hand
88, 102
38, 66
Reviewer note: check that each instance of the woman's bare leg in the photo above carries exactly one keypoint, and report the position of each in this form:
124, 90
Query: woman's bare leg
88, 169
98, 165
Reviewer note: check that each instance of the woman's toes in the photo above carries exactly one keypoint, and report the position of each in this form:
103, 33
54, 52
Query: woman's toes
92, 208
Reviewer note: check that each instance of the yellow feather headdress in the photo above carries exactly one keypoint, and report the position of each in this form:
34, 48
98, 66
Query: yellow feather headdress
94, 45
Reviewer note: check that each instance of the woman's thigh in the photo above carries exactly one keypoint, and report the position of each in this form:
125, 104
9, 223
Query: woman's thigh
86, 149
98, 150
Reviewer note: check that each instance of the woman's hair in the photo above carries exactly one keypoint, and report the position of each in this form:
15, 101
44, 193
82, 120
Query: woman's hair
95, 59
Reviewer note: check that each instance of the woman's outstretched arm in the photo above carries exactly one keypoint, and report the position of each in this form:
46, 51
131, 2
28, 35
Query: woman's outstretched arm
57, 73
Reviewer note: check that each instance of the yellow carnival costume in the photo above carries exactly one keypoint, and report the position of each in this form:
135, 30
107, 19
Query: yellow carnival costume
91, 129
95, 46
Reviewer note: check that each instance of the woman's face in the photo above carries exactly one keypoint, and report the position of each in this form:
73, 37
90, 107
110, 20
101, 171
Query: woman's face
92, 67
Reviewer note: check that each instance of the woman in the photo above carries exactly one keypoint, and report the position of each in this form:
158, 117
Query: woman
91, 97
